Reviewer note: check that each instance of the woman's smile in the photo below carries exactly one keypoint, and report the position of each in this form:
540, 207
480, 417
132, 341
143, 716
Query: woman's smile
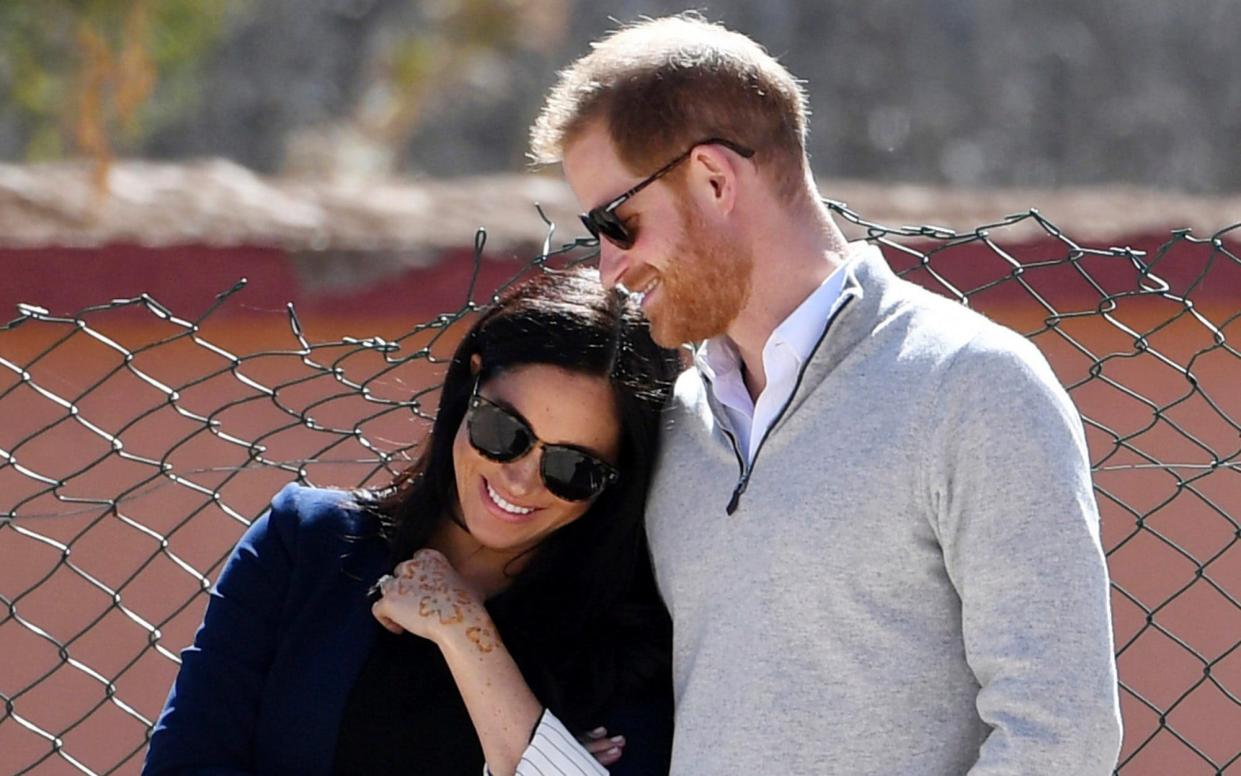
505, 505
504, 508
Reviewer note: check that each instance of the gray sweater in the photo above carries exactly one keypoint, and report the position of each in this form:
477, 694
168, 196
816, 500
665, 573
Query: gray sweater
911, 581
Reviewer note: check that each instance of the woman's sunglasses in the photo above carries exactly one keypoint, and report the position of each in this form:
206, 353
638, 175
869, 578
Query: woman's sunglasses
568, 473
603, 221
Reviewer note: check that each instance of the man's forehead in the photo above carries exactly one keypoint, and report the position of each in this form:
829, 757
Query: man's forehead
592, 137
592, 168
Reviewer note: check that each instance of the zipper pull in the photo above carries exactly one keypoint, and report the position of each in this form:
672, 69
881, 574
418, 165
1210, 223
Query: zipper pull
736, 497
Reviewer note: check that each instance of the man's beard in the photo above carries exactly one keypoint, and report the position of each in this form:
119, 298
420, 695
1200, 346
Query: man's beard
704, 286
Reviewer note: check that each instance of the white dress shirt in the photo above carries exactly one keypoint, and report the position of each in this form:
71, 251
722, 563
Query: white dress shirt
788, 347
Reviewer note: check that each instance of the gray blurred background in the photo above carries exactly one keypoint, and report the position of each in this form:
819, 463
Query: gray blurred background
1043, 93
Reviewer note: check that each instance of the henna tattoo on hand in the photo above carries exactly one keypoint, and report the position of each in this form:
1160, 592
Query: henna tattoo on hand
447, 604
483, 638
433, 584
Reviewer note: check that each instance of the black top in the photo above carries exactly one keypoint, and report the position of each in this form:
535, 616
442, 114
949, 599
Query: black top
405, 715
315, 634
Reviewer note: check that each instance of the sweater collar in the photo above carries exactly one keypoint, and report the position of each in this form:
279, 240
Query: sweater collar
865, 298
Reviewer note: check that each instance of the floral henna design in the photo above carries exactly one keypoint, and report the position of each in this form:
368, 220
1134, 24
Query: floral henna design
483, 638
447, 604
426, 578
422, 584
442, 597
433, 605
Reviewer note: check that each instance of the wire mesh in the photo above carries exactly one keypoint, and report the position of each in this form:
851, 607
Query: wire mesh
133, 455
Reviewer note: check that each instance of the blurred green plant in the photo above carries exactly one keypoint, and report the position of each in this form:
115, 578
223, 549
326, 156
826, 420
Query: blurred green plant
456, 43
82, 73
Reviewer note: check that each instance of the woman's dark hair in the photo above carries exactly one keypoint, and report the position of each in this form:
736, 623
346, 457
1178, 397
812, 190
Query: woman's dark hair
583, 609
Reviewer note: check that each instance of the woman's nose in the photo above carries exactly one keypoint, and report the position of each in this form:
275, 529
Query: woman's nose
521, 477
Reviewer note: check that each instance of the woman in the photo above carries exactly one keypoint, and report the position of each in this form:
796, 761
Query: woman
516, 559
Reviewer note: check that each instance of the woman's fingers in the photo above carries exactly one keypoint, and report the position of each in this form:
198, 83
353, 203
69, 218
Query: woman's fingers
428, 555
427, 598
609, 755
384, 620
380, 605
591, 736
606, 749
424, 560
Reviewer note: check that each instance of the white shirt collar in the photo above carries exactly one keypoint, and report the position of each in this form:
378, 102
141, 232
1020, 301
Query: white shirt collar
786, 351
719, 359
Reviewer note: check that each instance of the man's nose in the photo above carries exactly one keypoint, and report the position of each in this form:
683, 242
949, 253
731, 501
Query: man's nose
613, 262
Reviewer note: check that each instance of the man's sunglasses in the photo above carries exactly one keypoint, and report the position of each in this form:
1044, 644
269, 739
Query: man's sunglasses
568, 472
603, 221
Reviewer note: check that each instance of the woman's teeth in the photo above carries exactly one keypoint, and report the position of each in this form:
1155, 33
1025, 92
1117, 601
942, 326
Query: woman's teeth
505, 505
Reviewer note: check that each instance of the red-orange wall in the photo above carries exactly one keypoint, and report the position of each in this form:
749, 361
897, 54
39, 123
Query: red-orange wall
1183, 564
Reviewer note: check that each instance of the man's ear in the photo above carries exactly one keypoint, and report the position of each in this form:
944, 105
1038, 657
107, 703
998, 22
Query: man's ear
712, 177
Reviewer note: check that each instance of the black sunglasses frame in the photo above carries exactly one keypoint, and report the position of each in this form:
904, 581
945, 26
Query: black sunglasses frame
602, 222
607, 473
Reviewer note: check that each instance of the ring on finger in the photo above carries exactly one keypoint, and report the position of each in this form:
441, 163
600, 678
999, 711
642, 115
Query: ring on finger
376, 591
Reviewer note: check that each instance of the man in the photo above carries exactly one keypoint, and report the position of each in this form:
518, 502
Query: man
873, 521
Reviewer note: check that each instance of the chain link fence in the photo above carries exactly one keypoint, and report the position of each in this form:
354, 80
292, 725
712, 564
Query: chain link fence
137, 445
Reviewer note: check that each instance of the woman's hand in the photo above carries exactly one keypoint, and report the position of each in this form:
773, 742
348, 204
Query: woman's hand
606, 750
427, 597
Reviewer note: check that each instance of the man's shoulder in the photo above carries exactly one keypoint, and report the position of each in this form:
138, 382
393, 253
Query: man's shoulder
977, 359
956, 331
914, 319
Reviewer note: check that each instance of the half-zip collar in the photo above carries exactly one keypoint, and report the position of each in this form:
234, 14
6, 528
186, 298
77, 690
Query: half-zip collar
851, 291
747, 469
784, 353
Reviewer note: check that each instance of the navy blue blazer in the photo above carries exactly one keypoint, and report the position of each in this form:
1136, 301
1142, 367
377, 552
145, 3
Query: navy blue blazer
285, 635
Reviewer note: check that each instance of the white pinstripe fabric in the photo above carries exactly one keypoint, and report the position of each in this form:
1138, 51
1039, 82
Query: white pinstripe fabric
555, 752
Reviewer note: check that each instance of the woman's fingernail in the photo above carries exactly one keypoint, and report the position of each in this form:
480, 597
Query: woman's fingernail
618, 740
598, 732
613, 750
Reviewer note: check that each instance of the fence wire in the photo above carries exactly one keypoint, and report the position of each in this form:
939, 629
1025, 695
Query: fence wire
133, 455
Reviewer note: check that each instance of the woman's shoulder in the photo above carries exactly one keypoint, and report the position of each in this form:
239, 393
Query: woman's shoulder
311, 502
325, 513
